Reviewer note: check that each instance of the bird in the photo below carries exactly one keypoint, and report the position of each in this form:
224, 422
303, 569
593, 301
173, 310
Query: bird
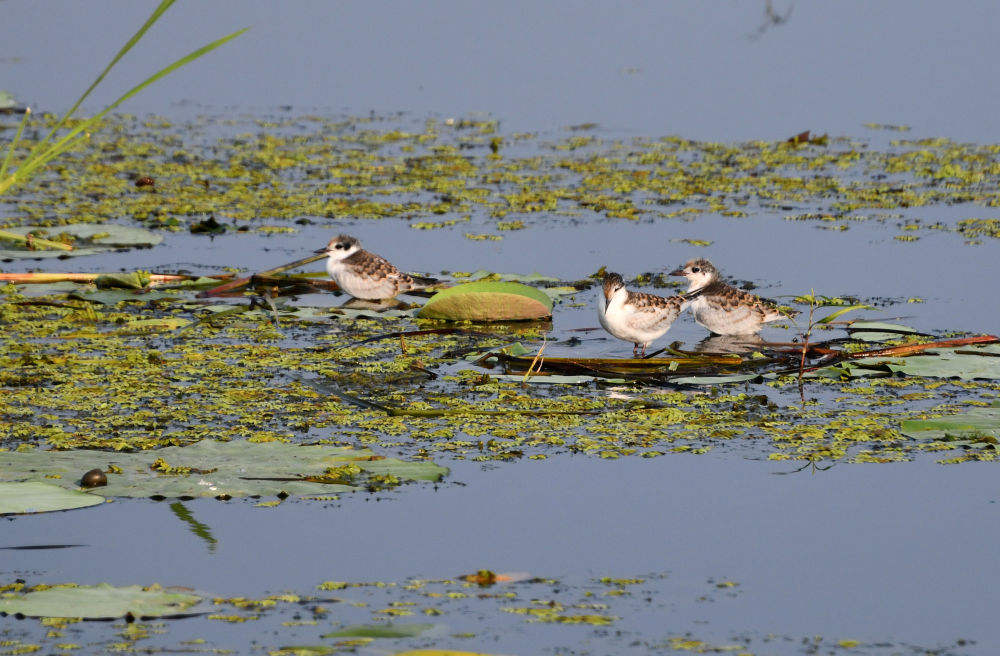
365, 275
721, 308
634, 316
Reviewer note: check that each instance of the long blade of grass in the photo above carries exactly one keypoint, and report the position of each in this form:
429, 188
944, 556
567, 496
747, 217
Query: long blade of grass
527, 374
155, 16
13, 144
60, 146
842, 311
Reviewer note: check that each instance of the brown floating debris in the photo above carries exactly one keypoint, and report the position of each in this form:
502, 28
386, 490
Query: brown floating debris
240, 283
94, 478
909, 349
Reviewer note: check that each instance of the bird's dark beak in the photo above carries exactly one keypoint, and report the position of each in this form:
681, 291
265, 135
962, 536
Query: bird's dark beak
678, 272
322, 250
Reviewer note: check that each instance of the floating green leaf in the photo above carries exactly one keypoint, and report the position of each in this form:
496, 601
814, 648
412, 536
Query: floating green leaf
38, 497
554, 379
100, 601
211, 468
488, 301
842, 311
380, 631
966, 364
92, 239
977, 422
715, 380
877, 331
115, 296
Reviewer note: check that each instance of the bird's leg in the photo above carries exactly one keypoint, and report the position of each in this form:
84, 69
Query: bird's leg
635, 349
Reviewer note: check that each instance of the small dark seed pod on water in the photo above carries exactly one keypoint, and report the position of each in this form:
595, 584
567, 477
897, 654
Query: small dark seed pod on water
94, 478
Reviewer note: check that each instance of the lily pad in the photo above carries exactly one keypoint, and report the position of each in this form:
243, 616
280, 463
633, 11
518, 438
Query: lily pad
488, 301
211, 468
966, 364
553, 379
877, 331
102, 601
407, 630
94, 238
115, 296
38, 497
715, 380
977, 422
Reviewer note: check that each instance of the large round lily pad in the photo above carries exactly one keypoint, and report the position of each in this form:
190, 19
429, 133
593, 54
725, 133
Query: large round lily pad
100, 601
211, 468
488, 301
38, 497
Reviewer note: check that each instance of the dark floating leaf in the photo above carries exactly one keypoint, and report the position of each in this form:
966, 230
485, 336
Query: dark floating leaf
207, 227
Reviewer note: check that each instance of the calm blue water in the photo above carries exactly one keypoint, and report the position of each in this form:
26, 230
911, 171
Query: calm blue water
644, 67
877, 553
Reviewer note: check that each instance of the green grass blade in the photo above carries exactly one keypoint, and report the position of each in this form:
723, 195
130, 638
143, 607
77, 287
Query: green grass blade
844, 310
39, 161
13, 144
64, 143
155, 16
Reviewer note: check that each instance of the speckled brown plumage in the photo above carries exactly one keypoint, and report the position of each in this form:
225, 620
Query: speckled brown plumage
363, 274
636, 317
721, 308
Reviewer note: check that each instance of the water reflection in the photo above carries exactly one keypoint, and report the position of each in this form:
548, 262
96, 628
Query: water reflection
730, 344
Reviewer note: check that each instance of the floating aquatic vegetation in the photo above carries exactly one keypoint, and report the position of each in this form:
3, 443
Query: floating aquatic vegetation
36, 497
488, 301
130, 372
74, 240
100, 602
977, 428
353, 167
224, 470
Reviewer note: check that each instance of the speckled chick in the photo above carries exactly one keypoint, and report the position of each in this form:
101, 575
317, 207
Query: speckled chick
634, 316
362, 274
723, 309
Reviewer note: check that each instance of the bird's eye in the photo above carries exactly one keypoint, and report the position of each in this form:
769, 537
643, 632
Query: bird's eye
695, 269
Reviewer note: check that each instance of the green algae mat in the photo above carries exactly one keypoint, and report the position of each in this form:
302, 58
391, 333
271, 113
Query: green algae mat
126, 371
